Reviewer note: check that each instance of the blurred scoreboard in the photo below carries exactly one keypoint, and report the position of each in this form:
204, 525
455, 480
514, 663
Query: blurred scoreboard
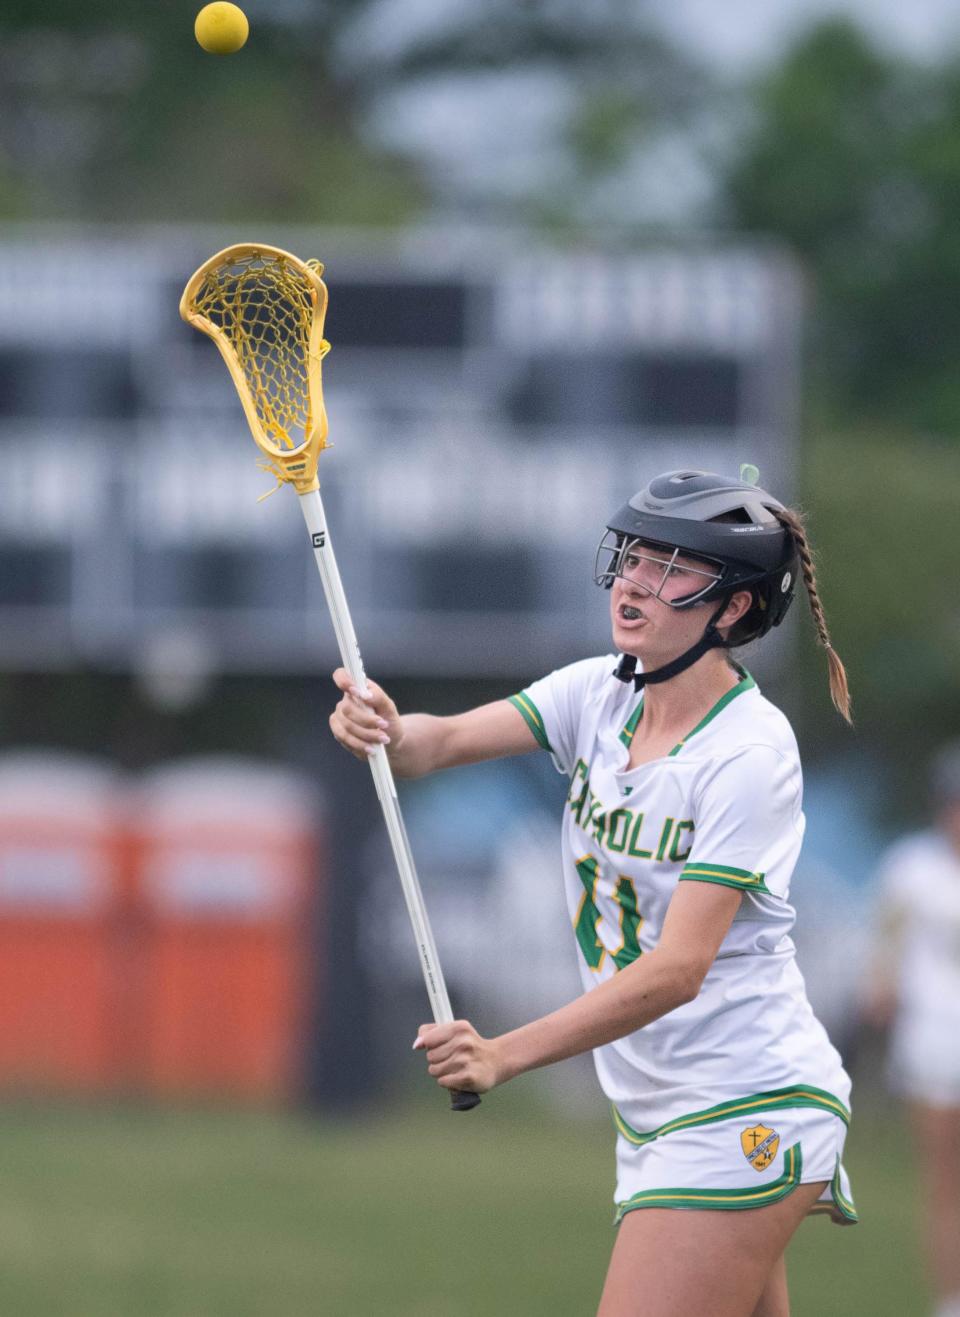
490, 403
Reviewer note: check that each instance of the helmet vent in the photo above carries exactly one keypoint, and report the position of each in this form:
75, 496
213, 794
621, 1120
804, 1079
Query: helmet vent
736, 517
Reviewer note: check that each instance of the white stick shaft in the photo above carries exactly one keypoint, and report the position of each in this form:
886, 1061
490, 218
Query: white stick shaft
312, 506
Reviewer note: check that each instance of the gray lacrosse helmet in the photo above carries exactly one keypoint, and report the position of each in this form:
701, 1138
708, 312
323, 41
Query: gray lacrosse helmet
726, 522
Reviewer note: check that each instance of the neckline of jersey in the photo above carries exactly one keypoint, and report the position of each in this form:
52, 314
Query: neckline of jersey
745, 683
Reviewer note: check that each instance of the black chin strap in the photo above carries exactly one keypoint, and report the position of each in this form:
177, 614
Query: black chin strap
626, 669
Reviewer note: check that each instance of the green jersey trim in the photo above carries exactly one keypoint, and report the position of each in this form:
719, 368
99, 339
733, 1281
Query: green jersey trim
745, 683
626, 736
804, 1095
726, 875
531, 716
725, 1199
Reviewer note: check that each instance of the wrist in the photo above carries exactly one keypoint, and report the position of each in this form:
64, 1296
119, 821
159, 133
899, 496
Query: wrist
508, 1056
396, 752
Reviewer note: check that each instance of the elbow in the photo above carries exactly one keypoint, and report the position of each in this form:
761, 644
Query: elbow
688, 990
688, 980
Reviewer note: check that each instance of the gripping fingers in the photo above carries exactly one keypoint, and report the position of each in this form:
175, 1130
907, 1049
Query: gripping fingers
364, 722
450, 1074
361, 722
450, 1048
361, 740
451, 1051
354, 722
444, 1061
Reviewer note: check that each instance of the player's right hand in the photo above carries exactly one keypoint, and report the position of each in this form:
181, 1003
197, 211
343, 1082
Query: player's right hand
361, 723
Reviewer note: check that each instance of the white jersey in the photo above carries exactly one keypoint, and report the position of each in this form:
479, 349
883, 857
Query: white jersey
724, 806
920, 889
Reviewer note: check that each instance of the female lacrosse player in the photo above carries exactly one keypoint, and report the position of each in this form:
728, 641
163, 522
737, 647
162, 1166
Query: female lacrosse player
681, 830
915, 988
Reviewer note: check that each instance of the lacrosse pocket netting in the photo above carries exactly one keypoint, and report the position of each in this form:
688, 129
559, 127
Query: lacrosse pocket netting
265, 309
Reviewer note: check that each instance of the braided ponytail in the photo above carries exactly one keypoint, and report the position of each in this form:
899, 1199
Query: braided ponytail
839, 688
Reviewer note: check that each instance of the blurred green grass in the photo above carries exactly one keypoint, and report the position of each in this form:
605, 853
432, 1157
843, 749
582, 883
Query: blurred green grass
416, 1212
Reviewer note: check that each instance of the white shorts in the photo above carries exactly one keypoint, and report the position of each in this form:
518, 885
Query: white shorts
924, 1060
737, 1164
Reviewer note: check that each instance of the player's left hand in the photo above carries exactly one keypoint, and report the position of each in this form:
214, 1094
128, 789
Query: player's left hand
458, 1057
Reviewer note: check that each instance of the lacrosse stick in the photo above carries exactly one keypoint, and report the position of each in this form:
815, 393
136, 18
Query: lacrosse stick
264, 309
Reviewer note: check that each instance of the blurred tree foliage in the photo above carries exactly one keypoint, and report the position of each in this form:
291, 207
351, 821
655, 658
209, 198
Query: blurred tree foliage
628, 89
113, 111
882, 514
853, 158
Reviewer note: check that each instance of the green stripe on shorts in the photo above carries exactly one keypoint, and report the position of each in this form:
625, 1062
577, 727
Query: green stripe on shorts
844, 1205
803, 1095
725, 1199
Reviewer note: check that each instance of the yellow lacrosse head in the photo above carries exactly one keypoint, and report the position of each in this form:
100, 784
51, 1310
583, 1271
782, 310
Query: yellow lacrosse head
264, 309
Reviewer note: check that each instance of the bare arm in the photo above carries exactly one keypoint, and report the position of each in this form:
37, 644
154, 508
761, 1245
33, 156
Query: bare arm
695, 925
419, 743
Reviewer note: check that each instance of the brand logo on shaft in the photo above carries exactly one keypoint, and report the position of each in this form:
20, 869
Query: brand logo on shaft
319, 538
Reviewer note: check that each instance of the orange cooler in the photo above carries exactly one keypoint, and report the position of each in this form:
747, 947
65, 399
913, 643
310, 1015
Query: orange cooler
227, 879
60, 894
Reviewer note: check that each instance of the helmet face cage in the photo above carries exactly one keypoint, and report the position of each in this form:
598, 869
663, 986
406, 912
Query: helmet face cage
624, 555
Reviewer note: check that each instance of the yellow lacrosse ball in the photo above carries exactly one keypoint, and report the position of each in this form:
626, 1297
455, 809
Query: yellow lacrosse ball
221, 28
